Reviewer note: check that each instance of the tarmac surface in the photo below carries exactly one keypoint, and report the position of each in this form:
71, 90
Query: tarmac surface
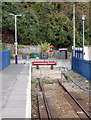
15, 91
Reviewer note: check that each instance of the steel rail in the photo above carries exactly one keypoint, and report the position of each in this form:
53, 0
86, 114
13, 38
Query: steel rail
45, 101
84, 90
75, 100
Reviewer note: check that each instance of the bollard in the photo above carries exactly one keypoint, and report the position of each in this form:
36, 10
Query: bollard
37, 67
41, 75
51, 67
61, 77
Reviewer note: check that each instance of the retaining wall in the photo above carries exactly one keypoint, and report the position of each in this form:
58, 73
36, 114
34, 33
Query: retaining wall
24, 49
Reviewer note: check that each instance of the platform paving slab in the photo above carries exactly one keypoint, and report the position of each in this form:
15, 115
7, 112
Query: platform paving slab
9, 78
15, 106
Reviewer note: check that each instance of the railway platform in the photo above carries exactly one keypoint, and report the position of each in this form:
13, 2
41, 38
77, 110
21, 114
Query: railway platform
16, 91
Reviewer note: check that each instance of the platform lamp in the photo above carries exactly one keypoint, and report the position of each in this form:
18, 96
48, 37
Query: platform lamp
15, 35
83, 19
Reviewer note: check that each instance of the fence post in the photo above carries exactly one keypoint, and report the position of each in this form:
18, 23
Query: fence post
79, 52
62, 77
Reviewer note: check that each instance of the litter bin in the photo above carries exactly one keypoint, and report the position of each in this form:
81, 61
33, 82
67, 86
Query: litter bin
24, 57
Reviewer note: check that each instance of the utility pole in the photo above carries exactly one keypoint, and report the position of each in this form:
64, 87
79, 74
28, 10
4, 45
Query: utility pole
73, 29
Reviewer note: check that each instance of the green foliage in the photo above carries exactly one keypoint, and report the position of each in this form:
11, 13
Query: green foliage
11, 55
33, 90
3, 47
74, 76
50, 21
37, 83
33, 81
21, 46
87, 87
27, 25
44, 46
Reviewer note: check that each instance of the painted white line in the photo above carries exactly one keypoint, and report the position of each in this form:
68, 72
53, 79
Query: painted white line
28, 102
39, 63
80, 112
1, 95
45, 66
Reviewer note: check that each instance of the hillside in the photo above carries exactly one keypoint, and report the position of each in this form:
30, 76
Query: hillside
40, 21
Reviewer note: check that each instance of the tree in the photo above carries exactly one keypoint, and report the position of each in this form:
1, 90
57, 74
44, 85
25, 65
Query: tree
46, 21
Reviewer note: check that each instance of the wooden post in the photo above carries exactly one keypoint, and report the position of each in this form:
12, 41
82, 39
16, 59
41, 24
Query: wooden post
51, 67
37, 66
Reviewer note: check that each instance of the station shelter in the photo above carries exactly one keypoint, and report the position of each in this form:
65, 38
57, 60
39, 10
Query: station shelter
63, 53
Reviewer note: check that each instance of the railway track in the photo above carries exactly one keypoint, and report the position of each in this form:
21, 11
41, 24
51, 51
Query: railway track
46, 107
81, 108
84, 90
48, 111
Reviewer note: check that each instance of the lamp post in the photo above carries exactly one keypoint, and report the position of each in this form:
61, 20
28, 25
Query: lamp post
73, 29
83, 19
15, 36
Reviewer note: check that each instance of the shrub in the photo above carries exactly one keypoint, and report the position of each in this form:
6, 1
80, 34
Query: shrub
44, 46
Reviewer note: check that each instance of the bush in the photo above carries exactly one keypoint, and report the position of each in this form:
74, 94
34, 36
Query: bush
44, 46
11, 55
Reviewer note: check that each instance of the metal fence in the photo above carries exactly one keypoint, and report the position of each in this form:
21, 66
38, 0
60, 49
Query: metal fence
82, 67
4, 58
79, 53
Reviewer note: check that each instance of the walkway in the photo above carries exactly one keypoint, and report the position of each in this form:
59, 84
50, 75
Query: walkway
16, 91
